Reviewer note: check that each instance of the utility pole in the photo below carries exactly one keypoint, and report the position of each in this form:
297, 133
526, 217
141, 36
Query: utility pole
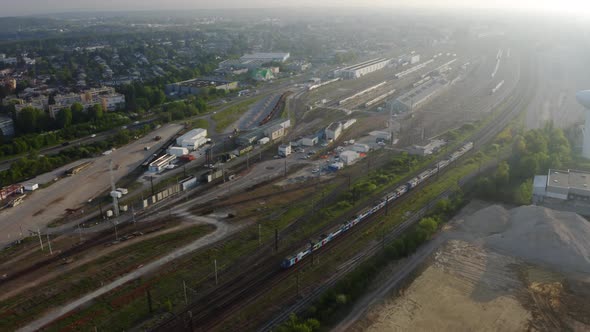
49, 244
80, 232
386, 204
259, 234
149, 300
297, 282
184, 287
40, 240
248, 160
285, 166
276, 240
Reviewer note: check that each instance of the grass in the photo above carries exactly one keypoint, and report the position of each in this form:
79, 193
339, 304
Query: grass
232, 114
199, 123
83, 279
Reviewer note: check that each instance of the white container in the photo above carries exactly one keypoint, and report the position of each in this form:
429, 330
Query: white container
31, 186
123, 191
109, 213
124, 208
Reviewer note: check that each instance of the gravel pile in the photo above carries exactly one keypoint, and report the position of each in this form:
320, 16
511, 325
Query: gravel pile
490, 220
535, 234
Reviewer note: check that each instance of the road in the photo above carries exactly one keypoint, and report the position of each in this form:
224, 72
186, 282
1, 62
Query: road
222, 230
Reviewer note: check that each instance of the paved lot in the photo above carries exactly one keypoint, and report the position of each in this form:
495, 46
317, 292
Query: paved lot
47, 204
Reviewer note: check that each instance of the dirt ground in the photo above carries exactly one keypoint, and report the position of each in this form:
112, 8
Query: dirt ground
47, 204
465, 286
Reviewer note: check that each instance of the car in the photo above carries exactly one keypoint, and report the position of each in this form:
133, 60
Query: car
315, 170
93, 135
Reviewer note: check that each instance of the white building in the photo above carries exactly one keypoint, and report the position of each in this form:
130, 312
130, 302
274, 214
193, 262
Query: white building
348, 157
161, 163
268, 57
284, 150
193, 139
112, 102
361, 69
348, 123
275, 132
177, 151
333, 131
428, 149
263, 140
309, 141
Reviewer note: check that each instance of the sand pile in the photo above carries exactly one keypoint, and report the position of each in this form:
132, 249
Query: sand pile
535, 234
490, 220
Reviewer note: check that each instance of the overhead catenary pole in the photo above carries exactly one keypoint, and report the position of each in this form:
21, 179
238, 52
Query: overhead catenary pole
40, 240
184, 287
49, 244
259, 234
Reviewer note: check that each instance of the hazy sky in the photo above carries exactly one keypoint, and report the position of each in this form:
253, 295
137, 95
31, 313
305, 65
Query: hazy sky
23, 7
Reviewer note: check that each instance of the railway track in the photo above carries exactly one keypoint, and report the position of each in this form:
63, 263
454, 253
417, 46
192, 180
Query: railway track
247, 287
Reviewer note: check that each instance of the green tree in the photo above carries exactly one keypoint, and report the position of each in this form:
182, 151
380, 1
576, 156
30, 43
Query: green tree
64, 117
502, 174
96, 112
78, 115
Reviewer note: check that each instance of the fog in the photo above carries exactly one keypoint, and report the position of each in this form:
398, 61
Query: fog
27, 7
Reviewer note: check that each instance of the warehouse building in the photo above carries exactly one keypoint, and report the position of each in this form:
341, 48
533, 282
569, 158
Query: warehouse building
197, 85
416, 97
428, 149
348, 157
285, 150
266, 57
160, 164
264, 131
562, 185
361, 69
193, 139
333, 131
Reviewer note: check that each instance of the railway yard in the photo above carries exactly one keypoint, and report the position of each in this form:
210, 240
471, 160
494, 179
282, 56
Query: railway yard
269, 234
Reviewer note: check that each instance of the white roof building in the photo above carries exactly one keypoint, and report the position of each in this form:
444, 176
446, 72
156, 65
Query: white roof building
269, 57
193, 139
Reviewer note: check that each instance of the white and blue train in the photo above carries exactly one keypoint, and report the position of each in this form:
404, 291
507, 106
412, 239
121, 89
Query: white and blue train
389, 198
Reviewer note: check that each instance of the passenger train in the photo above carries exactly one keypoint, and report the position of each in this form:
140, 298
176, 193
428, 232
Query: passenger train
388, 198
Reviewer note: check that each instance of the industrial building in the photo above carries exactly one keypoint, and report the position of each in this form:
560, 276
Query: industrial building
428, 149
416, 97
262, 132
333, 131
177, 151
193, 139
562, 185
348, 157
6, 126
275, 132
361, 69
197, 85
268, 57
161, 163
309, 141
284, 150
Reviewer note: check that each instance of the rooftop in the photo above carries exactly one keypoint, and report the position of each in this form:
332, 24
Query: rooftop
569, 179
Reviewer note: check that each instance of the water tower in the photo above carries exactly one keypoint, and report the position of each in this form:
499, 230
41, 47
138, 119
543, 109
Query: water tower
583, 98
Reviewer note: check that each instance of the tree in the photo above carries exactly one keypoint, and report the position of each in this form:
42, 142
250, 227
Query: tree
78, 115
96, 112
502, 174
64, 117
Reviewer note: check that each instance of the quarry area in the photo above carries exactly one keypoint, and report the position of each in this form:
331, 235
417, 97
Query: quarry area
499, 269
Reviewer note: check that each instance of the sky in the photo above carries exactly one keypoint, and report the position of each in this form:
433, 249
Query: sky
26, 7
